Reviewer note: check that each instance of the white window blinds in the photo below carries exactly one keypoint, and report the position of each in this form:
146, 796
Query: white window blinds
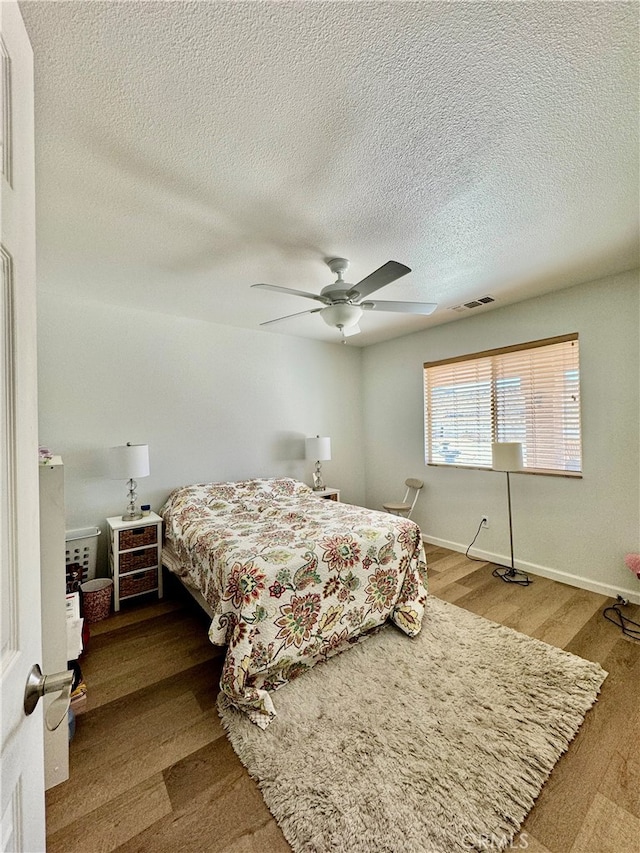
528, 393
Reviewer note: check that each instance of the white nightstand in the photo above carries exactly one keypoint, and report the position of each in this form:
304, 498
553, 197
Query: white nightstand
135, 556
329, 494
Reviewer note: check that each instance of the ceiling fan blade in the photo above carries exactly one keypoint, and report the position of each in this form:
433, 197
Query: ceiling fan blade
424, 308
290, 290
351, 330
383, 275
289, 316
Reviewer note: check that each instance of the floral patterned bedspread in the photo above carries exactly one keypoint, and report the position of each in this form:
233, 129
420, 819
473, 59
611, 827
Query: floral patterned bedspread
291, 578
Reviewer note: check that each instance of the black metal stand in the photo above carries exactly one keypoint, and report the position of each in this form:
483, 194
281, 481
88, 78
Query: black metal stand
511, 574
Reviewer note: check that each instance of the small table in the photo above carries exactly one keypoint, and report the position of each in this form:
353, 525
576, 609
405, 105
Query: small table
135, 556
329, 494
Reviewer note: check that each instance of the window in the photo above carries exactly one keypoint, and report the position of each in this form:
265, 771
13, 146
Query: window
528, 393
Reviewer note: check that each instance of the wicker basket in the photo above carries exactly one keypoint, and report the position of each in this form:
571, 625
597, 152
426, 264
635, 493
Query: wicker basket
136, 537
144, 558
139, 583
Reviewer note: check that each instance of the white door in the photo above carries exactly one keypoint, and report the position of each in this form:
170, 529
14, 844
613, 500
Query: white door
21, 762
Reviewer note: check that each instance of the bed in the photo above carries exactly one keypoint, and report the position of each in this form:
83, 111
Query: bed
289, 578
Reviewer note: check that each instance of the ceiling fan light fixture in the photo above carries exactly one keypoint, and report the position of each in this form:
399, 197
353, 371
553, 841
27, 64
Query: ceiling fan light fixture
341, 315
343, 304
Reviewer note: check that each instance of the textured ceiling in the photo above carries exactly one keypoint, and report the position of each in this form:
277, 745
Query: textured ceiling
188, 150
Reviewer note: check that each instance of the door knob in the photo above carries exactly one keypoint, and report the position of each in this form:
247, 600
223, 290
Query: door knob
38, 685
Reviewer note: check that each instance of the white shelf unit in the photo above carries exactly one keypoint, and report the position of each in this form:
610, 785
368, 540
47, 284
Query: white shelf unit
135, 557
329, 494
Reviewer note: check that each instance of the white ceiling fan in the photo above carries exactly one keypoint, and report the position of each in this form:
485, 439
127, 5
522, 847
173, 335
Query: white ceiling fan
342, 303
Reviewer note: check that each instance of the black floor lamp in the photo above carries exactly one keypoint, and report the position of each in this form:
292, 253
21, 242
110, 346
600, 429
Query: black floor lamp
507, 457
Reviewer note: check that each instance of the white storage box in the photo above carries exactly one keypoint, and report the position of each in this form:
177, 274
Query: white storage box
82, 549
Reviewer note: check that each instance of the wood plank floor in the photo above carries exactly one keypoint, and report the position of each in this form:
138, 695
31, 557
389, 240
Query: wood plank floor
151, 769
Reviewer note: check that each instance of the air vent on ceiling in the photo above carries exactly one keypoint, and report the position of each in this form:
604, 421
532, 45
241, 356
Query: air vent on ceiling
475, 303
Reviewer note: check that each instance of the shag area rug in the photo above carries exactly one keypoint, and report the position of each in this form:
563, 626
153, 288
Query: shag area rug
439, 743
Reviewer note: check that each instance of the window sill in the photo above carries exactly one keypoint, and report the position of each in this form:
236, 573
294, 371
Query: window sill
542, 472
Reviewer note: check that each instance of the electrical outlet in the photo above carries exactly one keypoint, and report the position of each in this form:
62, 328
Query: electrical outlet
484, 521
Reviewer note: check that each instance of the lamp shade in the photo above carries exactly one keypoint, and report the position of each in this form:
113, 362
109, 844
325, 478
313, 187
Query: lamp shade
506, 456
319, 448
128, 461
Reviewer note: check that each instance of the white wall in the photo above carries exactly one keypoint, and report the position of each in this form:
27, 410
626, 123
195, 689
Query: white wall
573, 530
213, 403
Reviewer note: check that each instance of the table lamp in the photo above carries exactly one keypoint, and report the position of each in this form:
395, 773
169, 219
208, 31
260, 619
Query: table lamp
318, 448
126, 462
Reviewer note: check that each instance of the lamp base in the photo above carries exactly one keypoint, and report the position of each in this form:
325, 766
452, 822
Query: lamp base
318, 483
511, 575
131, 516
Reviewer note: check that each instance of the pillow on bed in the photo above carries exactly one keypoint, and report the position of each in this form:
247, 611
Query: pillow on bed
254, 495
259, 495
270, 486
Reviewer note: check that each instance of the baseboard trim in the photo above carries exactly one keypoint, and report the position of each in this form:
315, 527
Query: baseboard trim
544, 571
